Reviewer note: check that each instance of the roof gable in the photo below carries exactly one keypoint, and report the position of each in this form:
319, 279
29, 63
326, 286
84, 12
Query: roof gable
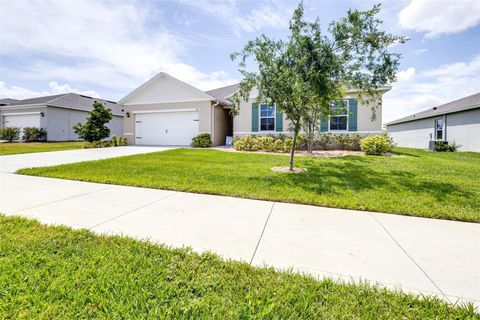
164, 88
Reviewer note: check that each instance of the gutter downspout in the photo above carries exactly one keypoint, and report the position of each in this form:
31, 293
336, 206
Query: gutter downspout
212, 120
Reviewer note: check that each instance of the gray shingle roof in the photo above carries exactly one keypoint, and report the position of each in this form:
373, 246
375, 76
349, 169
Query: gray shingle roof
7, 101
470, 102
69, 101
222, 94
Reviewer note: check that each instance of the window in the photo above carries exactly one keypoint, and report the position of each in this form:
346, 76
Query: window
339, 116
438, 129
267, 117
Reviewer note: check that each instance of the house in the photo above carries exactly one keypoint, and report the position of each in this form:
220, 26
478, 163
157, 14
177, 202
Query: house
457, 121
167, 111
57, 114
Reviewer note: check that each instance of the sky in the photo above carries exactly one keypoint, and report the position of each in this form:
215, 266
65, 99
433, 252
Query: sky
108, 48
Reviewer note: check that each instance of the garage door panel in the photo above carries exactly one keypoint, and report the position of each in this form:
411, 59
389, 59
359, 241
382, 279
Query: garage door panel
166, 128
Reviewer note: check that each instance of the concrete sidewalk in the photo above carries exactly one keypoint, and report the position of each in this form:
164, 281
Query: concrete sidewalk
430, 256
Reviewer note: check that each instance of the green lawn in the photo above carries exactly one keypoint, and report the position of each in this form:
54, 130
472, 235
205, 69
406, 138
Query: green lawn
30, 147
415, 182
59, 273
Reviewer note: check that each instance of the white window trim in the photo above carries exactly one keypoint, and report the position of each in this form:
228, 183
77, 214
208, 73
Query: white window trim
435, 130
260, 118
341, 115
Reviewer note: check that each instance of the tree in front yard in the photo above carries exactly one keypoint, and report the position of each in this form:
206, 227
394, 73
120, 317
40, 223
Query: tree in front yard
95, 129
304, 74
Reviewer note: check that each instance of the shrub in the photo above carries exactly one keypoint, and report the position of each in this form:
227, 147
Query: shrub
98, 144
269, 143
454, 146
202, 140
266, 143
391, 143
323, 141
118, 141
278, 145
287, 145
34, 134
343, 142
375, 145
443, 146
10, 133
246, 143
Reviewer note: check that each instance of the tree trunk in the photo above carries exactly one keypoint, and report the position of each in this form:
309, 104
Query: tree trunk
310, 141
294, 144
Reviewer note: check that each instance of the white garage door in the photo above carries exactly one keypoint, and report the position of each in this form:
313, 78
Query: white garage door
166, 128
23, 120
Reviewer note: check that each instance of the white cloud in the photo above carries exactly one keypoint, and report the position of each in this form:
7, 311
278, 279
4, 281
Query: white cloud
112, 44
416, 92
16, 92
440, 17
406, 75
273, 14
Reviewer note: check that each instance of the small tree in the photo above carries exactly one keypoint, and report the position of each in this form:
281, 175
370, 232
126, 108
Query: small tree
95, 129
309, 70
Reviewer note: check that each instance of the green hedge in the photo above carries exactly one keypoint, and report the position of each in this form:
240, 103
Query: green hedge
322, 141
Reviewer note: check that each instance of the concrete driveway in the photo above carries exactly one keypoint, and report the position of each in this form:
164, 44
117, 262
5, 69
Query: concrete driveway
12, 163
434, 257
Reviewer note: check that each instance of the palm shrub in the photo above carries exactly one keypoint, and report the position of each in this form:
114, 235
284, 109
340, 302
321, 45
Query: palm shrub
10, 134
375, 145
203, 140
34, 134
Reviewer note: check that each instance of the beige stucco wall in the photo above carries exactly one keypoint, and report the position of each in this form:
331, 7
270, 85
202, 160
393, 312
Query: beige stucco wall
364, 115
204, 111
242, 123
221, 125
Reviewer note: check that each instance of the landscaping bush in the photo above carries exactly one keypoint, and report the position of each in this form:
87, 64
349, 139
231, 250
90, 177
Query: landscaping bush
269, 143
375, 145
203, 140
348, 142
454, 146
118, 141
283, 143
98, 144
246, 143
323, 141
34, 134
266, 143
10, 134
328, 141
443, 146
390, 141
278, 145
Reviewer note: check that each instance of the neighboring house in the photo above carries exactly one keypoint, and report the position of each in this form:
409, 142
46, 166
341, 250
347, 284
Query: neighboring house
457, 121
57, 114
167, 111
